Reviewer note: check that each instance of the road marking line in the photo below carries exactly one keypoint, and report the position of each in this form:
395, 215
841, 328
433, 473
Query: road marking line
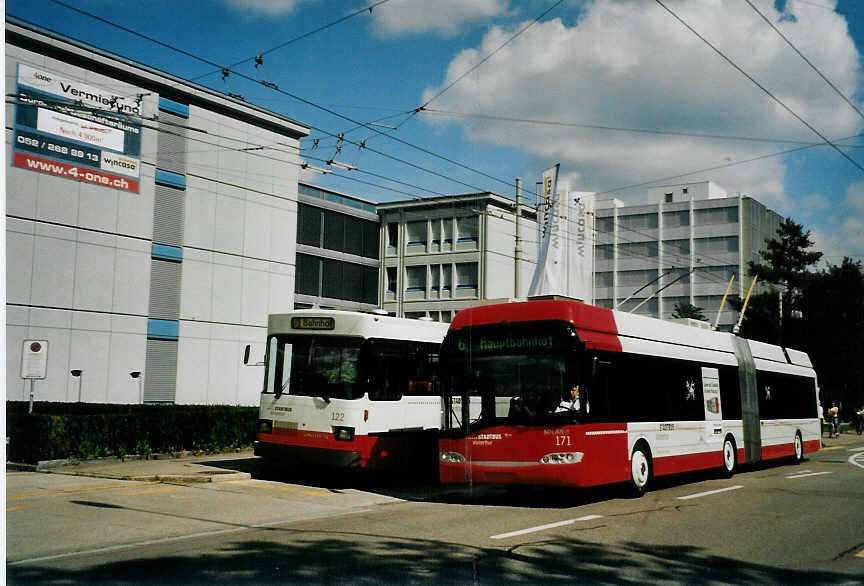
856, 449
853, 459
831, 448
533, 529
860, 554
544, 527
15, 508
810, 474
709, 492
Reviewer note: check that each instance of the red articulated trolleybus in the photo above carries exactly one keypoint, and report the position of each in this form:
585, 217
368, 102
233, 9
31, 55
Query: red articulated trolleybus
557, 392
350, 389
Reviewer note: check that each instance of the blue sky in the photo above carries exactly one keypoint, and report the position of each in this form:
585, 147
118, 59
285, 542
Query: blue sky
625, 65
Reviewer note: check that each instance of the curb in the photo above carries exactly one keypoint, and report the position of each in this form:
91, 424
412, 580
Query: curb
203, 476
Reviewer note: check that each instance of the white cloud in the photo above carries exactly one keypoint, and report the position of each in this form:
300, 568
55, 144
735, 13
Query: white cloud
855, 197
447, 17
632, 65
265, 7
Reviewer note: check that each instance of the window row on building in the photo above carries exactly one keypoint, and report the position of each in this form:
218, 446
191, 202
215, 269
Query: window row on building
335, 279
336, 231
671, 219
434, 235
435, 280
681, 247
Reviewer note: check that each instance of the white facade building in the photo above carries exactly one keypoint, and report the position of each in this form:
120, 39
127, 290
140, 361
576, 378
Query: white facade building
141, 236
446, 253
692, 231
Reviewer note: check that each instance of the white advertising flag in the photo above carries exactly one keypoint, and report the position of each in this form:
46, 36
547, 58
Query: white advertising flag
580, 245
548, 276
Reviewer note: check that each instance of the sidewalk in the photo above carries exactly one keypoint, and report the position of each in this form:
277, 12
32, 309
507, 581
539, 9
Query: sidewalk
185, 468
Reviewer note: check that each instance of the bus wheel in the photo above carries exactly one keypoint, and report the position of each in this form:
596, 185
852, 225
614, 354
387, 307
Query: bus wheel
640, 470
799, 448
730, 456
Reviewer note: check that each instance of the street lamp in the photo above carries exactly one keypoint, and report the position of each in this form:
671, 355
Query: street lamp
79, 374
137, 374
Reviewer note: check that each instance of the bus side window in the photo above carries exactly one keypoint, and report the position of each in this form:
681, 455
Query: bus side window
598, 371
730, 392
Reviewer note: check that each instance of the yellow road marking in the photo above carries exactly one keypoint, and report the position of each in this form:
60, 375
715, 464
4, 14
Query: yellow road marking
16, 508
860, 554
279, 487
153, 490
831, 448
72, 491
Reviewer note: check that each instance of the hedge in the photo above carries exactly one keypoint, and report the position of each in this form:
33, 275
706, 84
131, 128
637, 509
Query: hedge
85, 430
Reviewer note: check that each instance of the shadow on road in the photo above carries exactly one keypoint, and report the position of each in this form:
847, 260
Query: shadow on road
418, 486
302, 557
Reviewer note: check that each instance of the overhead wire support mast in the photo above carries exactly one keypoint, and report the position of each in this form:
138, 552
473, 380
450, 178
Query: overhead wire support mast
760, 86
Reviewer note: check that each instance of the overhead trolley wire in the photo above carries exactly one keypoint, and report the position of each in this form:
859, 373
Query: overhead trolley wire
620, 129
723, 166
806, 60
363, 10
759, 85
307, 102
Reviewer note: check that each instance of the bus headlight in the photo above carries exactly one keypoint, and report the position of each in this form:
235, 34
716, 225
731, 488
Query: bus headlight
343, 434
452, 458
265, 426
562, 458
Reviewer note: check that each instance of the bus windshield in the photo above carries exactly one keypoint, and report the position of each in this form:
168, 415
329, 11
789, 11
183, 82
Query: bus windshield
341, 367
512, 374
316, 366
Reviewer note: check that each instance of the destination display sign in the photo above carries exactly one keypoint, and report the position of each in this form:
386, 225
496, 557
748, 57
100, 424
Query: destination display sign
313, 323
509, 344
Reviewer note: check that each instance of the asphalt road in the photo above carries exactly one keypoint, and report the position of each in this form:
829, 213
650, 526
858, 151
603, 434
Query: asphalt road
773, 524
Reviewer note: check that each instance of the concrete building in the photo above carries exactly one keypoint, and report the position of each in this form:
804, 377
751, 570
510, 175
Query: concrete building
147, 230
337, 251
443, 254
693, 231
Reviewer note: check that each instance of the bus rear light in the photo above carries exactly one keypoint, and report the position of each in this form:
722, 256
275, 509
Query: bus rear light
265, 426
365, 415
452, 458
343, 434
562, 458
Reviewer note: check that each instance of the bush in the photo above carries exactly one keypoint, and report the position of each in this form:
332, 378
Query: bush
86, 430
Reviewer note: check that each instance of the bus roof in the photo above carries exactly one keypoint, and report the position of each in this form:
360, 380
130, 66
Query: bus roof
355, 323
607, 329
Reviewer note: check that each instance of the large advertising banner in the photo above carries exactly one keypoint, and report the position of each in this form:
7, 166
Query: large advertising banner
69, 129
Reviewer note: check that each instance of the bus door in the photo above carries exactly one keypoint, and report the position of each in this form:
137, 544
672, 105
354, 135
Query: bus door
712, 435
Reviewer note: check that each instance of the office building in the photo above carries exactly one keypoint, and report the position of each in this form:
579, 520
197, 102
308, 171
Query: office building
150, 228
337, 251
443, 254
682, 246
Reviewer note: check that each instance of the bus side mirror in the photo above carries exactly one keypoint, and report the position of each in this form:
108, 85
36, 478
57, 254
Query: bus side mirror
246, 353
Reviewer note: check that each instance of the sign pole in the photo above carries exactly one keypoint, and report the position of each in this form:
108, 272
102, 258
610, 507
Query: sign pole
30, 406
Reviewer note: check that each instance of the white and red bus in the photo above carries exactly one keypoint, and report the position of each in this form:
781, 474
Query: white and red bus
654, 397
350, 389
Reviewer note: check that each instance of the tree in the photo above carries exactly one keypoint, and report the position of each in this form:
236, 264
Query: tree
786, 267
688, 310
832, 332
